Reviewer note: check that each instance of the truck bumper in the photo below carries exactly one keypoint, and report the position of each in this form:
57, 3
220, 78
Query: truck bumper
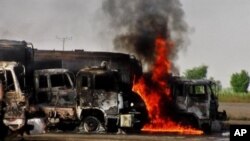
14, 124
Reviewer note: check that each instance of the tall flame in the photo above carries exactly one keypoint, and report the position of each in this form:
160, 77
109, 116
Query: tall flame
156, 90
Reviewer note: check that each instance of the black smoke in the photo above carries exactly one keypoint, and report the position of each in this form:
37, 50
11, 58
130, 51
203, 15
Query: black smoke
139, 22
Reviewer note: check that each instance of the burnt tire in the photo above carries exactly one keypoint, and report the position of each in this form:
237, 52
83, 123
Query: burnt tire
4, 130
91, 124
206, 128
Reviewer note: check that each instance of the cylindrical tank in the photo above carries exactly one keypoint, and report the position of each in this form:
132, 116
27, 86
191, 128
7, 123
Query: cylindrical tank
19, 51
126, 64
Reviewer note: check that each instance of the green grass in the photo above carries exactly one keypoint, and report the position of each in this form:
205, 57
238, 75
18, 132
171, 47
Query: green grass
229, 96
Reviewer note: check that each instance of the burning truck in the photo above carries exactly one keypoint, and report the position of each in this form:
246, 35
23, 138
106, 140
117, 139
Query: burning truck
176, 104
159, 102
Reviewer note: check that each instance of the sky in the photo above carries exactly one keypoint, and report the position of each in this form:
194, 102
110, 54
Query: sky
219, 30
219, 37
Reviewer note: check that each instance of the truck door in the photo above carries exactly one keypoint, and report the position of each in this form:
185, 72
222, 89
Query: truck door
105, 95
85, 88
180, 95
43, 92
63, 93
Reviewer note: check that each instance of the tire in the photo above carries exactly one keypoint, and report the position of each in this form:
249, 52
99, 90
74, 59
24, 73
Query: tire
91, 124
112, 127
206, 128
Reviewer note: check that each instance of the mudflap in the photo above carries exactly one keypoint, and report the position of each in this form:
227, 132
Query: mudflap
3, 127
222, 115
112, 125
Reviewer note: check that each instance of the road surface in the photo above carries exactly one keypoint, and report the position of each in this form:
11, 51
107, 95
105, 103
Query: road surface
109, 137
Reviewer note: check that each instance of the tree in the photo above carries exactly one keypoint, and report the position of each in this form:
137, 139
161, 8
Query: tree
218, 84
240, 81
196, 72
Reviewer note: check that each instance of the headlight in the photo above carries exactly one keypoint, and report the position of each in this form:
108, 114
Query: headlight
131, 104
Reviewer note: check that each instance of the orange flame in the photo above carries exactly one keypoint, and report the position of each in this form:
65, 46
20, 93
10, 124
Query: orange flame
152, 94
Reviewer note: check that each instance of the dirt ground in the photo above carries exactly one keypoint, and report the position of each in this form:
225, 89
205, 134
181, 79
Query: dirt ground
113, 137
236, 111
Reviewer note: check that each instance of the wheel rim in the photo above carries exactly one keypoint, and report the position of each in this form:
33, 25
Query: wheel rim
91, 124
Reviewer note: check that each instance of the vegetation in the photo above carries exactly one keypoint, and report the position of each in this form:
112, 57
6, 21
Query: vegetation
230, 96
196, 72
240, 82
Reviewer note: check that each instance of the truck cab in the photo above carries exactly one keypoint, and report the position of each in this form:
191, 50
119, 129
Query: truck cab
196, 100
100, 100
55, 95
13, 98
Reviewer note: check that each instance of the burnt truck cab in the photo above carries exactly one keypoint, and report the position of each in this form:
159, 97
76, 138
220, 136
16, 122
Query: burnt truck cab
101, 101
196, 100
55, 95
13, 98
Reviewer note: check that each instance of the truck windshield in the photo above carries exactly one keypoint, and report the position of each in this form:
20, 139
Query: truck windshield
106, 82
58, 80
199, 91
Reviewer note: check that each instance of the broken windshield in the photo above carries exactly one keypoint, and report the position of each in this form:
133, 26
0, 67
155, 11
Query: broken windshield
200, 91
58, 80
106, 82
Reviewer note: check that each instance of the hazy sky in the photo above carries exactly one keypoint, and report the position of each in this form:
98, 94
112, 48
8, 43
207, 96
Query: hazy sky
219, 30
220, 37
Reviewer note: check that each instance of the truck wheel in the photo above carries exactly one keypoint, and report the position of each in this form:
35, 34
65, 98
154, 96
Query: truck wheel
91, 124
206, 128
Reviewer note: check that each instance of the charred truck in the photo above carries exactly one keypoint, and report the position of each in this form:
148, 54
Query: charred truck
102, 101
96, 105
16, 63
196, 100
13, 98
43, 88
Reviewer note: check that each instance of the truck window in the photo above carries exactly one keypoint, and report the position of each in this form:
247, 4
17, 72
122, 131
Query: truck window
43, 81
199, 89
58, 80
10, 82
84, 82
2, 77
20, 76
179, 90
105, 82
7, 80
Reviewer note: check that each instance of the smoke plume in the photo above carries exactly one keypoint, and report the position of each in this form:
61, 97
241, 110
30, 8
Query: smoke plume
139, 22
